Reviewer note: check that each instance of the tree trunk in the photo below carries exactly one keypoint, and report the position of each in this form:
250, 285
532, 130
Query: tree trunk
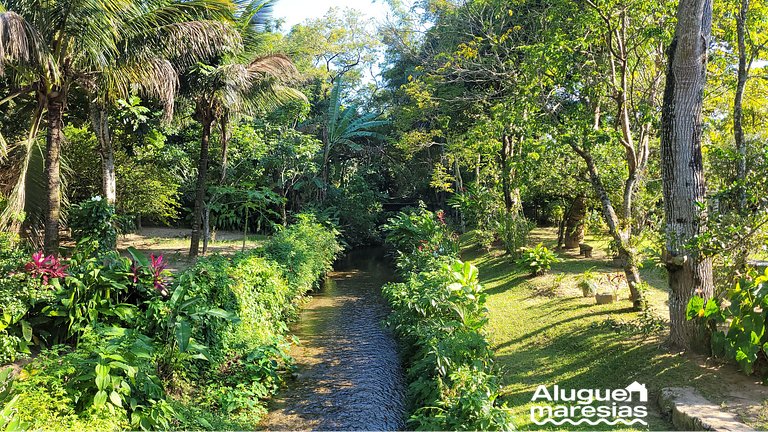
574, 222
224, 123
460, 191
54, 140
620, 236
683, 172
506, 154
738, 113
202, 174
100, 122
206, 228
326, 161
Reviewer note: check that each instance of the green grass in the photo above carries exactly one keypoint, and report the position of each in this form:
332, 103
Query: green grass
544, 332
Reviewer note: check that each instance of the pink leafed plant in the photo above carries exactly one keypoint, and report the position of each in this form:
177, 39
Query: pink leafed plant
45, 267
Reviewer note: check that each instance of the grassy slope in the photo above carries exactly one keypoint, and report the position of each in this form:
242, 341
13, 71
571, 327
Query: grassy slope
568, 340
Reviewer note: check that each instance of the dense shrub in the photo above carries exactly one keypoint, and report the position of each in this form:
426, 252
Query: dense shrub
419, 238
19, 293
438, 314
737, 323
143, 350
304, 251
358, 209
94, 219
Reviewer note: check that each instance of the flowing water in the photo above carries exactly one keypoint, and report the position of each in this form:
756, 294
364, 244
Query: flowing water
349, 375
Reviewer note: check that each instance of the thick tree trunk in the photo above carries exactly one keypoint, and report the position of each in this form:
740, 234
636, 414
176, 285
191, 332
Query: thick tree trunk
54, 140
682, 170
574, 222
202, 174
100, 122
738, 113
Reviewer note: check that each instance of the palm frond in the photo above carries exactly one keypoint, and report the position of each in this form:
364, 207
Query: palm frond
19, 42
277, 66
13, 214
155, 77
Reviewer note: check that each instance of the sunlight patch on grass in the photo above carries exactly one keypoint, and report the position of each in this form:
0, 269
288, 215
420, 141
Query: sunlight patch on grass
545, 332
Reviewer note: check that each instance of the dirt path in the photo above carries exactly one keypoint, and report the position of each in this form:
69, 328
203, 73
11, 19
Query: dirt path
348, 375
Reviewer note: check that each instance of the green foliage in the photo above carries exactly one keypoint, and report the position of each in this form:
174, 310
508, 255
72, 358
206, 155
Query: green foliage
304, 251
357, 206
438, 314
146, 348
9, 418
94, 219
588, 282
538, 259
737, 323
513, 230
420, 237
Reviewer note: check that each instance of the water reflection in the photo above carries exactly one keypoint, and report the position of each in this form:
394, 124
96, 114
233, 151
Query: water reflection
349, 375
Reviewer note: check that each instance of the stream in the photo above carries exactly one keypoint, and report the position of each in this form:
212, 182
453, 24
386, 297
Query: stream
348, 373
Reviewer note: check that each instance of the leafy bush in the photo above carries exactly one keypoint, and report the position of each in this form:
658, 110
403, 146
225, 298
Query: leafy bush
144, 348
305, 250
513, 230
358, 209
19, 293
438, 314
94, 219
738, 322
420, 237
588, 283
538, 259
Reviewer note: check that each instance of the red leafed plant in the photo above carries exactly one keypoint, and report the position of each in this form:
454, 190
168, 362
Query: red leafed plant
157, 265
45, 267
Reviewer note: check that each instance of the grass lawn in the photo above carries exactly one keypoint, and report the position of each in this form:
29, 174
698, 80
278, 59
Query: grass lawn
173, 244
545, 332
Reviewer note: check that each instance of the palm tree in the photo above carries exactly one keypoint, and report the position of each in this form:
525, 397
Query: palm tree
149, 60
49, 47
343, 126
231, 87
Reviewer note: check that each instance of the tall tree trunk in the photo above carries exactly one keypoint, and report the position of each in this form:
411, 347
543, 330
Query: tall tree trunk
55, 138
505, 156
326, 161
738, 113
682, 169
202, 174
627, 253
224, 124
100, 122
574, 222
460, 191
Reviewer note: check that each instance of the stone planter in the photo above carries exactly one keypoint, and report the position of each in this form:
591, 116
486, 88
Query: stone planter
588, 288
605, 298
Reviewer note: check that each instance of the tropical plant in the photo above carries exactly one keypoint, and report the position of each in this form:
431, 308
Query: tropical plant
344, 125
588, 282
53, 47
538, 259
737, 323
438, 314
